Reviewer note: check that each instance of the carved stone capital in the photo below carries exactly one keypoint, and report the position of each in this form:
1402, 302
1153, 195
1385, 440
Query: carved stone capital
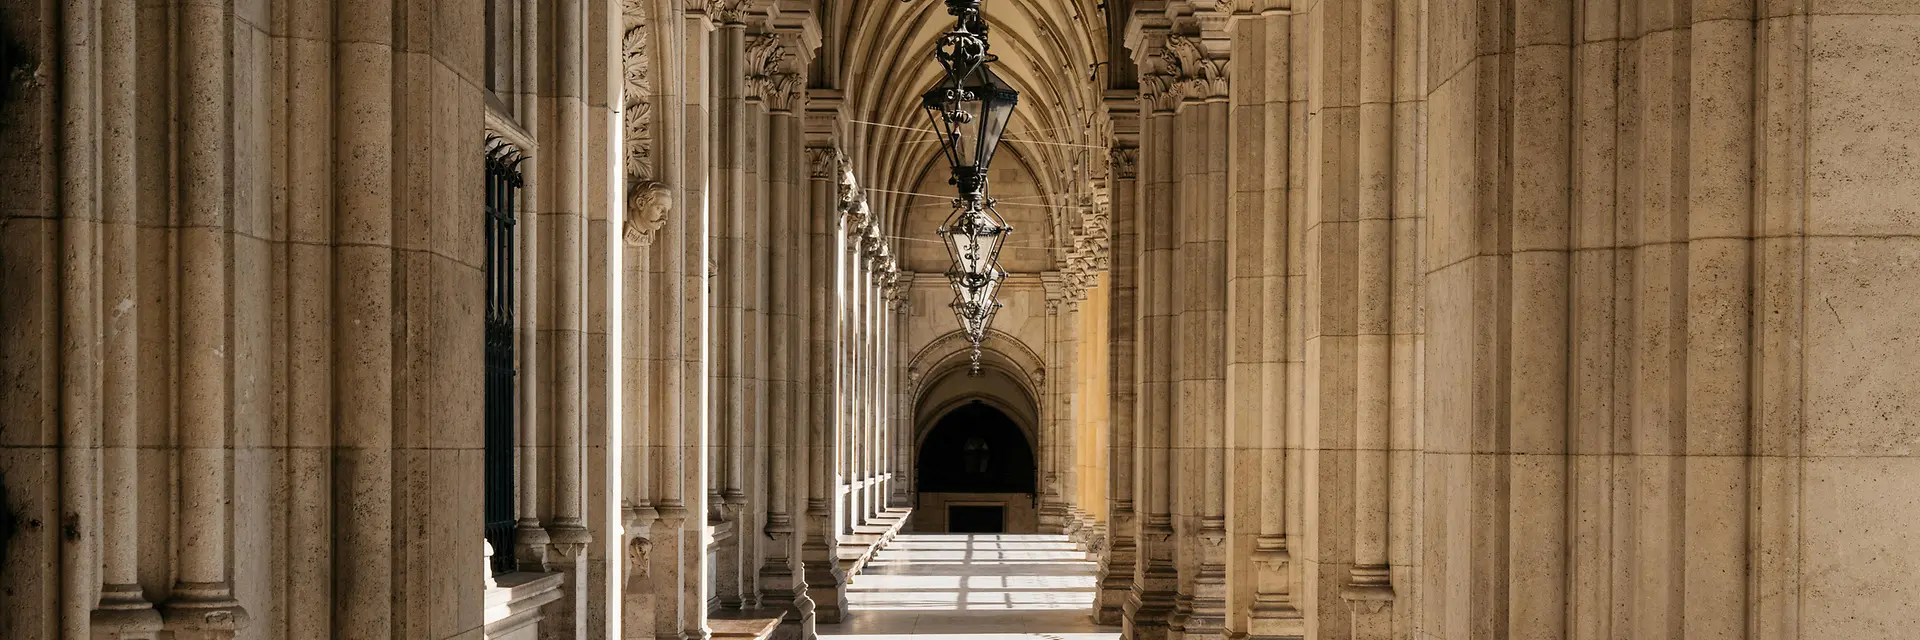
1126, 162
822, 161
1158, 93
770, 72
728, 12
1198, 76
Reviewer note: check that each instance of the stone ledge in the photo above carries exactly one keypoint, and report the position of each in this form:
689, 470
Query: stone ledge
744, 625
857, 549
513, 604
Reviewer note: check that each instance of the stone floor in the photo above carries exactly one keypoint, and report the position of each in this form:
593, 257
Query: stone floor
976, 587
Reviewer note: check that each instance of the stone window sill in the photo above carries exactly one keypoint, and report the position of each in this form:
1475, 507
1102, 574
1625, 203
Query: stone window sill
513, 604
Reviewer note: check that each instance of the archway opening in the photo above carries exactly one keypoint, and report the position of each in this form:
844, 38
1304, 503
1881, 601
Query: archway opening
976, 473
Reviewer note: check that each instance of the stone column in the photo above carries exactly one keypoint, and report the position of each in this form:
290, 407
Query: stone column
824, 597
1116, 574
202, 604
860, 288
1150, 607
362, 326
853, 511
1199, 299
876, 321
900, 417
566, 219
1053, 512
1369, 588
647, 205
79, 367
123, 611
668, 341
696, 420
731, 288
882, 376
1258, 408
1067, 451
785, 150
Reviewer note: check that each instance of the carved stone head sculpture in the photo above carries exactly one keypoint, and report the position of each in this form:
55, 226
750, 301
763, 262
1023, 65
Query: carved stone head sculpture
647, 207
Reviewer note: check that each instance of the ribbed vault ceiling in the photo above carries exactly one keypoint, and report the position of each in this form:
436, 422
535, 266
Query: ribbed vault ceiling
880, 54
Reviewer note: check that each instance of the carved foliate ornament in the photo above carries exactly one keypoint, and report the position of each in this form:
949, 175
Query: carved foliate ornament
1126, 162
768, 77
727, 12
821, 162
1157, 91
1199, 77
637, 108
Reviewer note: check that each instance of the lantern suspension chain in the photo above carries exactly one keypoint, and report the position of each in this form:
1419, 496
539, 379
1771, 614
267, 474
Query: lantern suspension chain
969, 109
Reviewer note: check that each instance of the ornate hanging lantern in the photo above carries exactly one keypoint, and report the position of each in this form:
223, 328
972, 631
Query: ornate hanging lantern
970, 109
970, 114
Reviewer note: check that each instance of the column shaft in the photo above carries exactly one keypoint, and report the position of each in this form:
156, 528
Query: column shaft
776, 573
825, 593
732, 285
1150, 607
1116, 574
122, 610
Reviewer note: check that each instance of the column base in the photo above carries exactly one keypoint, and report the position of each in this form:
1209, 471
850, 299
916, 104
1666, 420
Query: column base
568, 613
203, 611
1054, 517
1149, 610
827, 591
530, 546
1115, 585
125, 614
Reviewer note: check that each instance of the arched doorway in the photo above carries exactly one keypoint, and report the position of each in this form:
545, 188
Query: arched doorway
976, 473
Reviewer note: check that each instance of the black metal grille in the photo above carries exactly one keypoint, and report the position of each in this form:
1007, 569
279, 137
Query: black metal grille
503, 191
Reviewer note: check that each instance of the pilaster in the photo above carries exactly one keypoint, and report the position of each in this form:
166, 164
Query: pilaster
1261, 230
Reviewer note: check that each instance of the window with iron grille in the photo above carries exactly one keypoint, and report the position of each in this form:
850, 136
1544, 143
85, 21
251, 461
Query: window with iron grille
503, 183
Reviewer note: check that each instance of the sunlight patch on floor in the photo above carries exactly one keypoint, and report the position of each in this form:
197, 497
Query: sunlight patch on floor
974, 587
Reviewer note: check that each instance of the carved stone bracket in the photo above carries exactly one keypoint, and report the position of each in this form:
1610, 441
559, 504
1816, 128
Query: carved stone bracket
647, 207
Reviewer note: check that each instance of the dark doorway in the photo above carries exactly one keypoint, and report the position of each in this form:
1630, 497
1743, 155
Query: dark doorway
976, 449
976, 519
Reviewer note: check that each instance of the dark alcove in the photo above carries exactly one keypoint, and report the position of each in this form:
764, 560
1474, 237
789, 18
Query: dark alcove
976, 449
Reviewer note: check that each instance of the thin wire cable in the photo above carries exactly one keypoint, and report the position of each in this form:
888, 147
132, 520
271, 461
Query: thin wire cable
1005, 246
997, 202
936, 134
